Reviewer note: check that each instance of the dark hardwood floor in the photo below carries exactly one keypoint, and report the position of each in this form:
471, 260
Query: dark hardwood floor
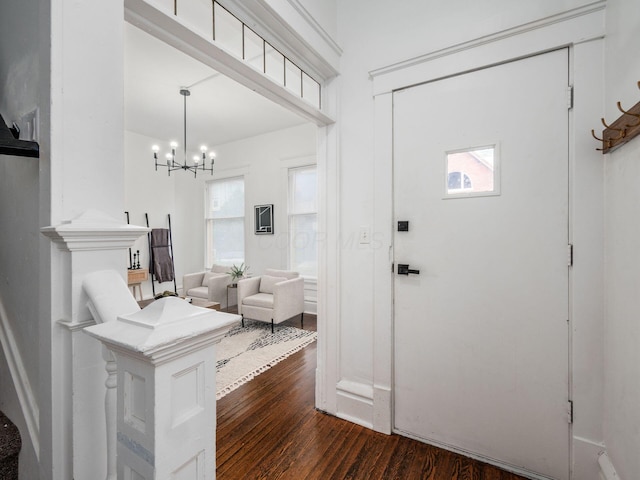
269, 429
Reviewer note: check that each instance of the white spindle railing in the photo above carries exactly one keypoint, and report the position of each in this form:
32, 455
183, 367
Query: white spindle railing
110, 409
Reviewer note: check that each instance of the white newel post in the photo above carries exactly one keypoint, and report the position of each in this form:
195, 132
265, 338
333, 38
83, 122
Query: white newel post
166, 367
90, 242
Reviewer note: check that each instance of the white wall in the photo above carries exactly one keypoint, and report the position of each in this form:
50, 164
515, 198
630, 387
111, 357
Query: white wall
23, 77
622, 200
19, 176
372, 35
85, 95
147, 192
263, 160
49, 60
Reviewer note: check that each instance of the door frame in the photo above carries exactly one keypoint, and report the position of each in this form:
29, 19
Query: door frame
324, 65
581, 30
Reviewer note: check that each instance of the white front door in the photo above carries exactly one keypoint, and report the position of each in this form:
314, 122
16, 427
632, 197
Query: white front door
481, 332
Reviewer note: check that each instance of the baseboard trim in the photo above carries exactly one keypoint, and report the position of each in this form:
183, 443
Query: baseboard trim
607, 470
382, 399
310, 307
355, 402
24, 392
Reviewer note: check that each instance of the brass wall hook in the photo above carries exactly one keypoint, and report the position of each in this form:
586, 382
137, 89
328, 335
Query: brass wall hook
605, 143
609, 126
593, 134
623, 131
631, 114
627, 128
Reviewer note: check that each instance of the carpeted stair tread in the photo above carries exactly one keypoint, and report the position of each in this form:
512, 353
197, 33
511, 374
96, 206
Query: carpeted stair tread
10, 444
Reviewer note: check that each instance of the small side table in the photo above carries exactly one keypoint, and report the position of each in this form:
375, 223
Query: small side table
195, 301
135, 278
202, 303
231, 286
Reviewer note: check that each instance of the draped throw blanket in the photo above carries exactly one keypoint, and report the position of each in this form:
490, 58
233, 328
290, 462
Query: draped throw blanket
162, 266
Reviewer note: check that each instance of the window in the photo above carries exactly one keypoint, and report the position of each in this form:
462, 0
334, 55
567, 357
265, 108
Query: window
472, 172
459, 181
303, 221
224, 222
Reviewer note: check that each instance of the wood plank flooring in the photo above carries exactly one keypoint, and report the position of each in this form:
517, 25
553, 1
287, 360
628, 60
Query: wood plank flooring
269, 429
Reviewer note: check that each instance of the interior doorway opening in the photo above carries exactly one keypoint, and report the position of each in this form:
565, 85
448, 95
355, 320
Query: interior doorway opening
254, 137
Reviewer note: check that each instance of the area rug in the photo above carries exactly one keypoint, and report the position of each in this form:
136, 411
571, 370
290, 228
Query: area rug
247, 351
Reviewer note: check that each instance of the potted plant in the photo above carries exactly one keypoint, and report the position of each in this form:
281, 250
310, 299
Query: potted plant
237, 273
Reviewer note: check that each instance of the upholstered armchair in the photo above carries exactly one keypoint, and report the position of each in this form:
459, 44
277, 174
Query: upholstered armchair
273, 297
210, 285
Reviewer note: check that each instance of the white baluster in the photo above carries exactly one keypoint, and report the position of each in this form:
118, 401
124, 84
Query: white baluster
110, 409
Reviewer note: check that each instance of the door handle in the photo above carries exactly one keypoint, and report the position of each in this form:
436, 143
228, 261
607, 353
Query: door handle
403, 269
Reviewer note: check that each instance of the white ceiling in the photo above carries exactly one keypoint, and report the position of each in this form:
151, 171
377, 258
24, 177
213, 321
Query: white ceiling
219, 110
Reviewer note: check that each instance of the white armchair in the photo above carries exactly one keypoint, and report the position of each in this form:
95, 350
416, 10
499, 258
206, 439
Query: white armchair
273, 297
210, 285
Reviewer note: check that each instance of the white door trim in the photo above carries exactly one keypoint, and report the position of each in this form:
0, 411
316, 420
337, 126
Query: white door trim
577, 29
574, 26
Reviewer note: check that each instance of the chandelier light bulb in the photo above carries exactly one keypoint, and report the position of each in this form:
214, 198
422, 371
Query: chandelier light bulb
182, 163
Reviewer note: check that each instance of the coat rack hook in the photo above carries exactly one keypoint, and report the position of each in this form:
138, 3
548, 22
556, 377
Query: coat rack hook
605, 143
631, 114
609, 126
622, 134
593, 134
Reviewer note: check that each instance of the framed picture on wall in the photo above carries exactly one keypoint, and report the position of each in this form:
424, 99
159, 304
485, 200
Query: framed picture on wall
264, 219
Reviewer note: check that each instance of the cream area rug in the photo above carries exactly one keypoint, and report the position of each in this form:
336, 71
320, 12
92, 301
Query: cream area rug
247, 351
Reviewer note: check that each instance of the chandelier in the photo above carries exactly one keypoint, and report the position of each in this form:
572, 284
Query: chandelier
199, 161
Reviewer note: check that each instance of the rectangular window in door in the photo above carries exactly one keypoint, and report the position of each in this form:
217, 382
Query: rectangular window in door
472, 172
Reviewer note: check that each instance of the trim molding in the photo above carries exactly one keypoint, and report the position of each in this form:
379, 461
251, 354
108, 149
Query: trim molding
177, 33
93, 230
304, 13
569, 28
275, 22
355, 402
79, 326
27, 399
383, 335
495, 37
